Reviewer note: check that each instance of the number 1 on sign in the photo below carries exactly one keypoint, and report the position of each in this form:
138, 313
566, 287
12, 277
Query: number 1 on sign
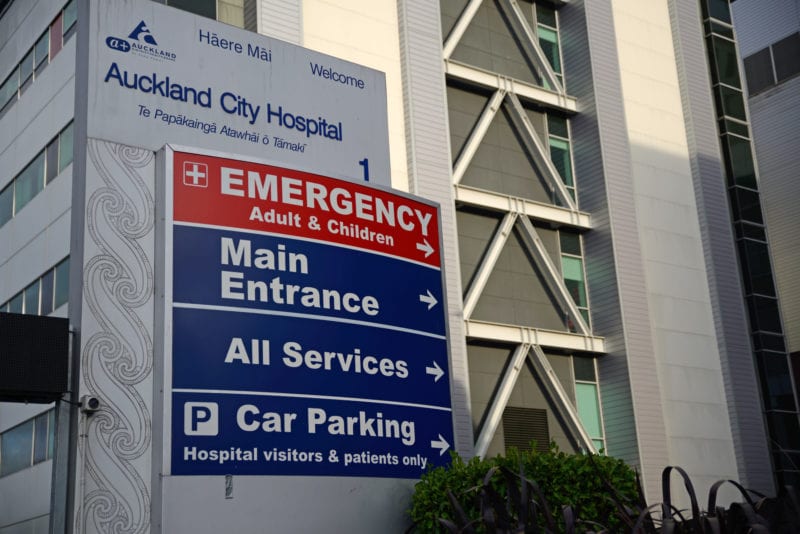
365, 163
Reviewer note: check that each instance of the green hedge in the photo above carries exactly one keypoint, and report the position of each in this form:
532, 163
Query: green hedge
582, 481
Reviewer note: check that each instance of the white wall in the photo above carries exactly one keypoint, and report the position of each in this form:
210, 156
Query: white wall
758, 23
365, 32
693, 397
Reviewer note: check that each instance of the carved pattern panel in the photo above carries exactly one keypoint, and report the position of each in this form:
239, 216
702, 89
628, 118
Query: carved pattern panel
115, 444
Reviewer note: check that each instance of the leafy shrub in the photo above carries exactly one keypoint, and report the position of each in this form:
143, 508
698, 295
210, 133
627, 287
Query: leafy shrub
591, 485
578, 493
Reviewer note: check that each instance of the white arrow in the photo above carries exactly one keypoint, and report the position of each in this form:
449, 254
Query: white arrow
428, 299
436, 371
425, 247
441, 444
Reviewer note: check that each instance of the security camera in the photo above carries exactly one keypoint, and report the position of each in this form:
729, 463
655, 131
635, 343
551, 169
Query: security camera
89, 404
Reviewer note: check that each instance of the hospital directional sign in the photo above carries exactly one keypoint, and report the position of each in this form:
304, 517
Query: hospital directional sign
308, 332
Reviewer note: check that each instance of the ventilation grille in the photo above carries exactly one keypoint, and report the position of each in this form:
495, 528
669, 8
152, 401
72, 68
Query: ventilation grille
521, 426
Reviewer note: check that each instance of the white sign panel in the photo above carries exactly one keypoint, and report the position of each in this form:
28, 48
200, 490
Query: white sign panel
158, 75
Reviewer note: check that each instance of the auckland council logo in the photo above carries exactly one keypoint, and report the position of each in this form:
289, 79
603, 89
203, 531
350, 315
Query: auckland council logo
140, 41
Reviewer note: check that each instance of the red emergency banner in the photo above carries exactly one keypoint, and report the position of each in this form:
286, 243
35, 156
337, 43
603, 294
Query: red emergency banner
257, 197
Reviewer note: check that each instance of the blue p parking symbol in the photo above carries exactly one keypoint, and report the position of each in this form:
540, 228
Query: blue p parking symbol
200, 418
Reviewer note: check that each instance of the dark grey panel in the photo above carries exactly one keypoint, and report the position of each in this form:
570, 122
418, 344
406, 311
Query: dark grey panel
501, 164
489, 44
464, 108
550, 240
517, 294
562, 366
486, 365
451, 9
475, 231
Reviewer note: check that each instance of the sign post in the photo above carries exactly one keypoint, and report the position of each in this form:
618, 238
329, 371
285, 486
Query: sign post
306, 332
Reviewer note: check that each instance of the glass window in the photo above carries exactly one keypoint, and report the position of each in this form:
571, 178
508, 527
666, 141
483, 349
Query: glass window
746, 205
750, 230
573, 278
584, 368
730, 102
40, 438
717, 9
29, 182
570, 243
51, 432
15, 304
62, 283
787, 56
734, 127
15, 448
757, 266
52, 161
557, 126
31, 299
65, 147
7, 203
548, 40
713, 26
785, 428
42, 50
739, 161
47, 292
26, 67
56, 36
764, 314
545, 15
758, 71
70, 16
588, 406
727, 70
559, 153
772, 342
204, 8
8, 90
231, 12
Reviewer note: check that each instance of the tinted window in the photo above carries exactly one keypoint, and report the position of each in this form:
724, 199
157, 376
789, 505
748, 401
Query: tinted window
758, 70
727, 70
62, 283
787, 56
65, 148
47, 292
29, 182
7, 203
15, 448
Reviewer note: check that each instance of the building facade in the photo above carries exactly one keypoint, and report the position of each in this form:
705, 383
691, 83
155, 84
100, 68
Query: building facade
601, 241
768, 38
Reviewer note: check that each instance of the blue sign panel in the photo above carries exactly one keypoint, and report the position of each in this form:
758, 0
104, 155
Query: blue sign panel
240, 350
222, 263
281, 435
293, 354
